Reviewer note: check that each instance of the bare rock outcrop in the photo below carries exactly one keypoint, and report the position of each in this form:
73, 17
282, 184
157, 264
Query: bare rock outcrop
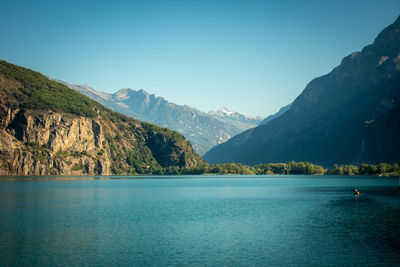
47, 128
49, 143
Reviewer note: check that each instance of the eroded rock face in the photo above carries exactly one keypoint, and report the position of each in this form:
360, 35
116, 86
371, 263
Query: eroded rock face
49, 143
47, 128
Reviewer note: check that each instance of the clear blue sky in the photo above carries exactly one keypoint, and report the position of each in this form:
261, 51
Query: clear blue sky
250, 56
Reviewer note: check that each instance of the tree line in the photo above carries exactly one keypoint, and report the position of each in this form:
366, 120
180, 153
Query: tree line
292, 167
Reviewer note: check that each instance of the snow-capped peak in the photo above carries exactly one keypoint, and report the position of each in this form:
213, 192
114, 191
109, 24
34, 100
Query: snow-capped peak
225, 111
227, 114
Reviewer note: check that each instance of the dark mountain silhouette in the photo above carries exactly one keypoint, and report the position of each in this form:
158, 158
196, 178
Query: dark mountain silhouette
350, 115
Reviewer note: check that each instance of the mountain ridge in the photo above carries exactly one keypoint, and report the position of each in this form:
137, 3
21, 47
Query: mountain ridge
47, 128
271, 117
203, 129
335, 117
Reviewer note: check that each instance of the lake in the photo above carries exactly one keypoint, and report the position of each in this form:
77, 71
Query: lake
199, 221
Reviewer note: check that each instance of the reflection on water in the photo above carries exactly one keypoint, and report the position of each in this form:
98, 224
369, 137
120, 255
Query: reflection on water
228, 220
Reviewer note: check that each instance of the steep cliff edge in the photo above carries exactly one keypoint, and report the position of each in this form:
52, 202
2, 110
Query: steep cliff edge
47, 128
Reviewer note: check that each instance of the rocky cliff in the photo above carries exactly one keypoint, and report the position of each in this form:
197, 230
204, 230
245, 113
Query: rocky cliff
48, 143
49, 129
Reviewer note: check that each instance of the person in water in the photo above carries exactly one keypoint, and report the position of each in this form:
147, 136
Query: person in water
356, 192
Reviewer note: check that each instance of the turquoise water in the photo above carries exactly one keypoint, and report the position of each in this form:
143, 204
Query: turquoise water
200, 221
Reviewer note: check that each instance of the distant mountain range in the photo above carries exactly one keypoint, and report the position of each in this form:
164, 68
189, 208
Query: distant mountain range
203, 130
350, 115
276, 115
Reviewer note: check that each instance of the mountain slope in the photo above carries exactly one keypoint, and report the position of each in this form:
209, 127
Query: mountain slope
350, 115
47, 128
203, 130
276, 115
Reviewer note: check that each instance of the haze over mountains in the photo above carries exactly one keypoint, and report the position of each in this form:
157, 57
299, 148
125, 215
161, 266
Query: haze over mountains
350, 115
203, 130
276, 115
